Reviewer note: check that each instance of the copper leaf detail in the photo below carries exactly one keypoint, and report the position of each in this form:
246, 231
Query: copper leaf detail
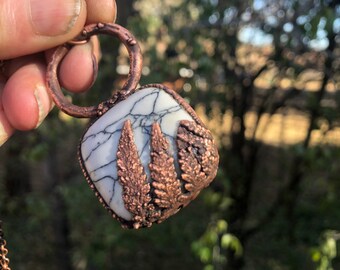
133, 178
198, 156
167, 188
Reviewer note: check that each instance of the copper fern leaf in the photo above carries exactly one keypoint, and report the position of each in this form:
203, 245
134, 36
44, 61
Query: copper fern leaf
133, 178
198, 156
167, 188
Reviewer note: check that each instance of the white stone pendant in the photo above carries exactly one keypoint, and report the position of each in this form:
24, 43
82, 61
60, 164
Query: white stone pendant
148, 156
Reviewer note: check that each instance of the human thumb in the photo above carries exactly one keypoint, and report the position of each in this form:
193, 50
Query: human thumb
30, 26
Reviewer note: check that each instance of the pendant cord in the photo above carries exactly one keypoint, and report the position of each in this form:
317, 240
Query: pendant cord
4, 261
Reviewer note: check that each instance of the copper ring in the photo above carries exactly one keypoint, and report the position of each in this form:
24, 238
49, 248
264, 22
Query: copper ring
134, 75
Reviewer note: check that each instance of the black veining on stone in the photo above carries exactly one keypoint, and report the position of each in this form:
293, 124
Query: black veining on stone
138, 120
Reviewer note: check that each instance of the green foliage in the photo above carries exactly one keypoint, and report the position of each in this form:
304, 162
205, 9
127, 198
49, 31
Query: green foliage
326, 251
213, 244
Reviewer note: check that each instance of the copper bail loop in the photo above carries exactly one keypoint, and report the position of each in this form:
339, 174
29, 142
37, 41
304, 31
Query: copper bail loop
134, 75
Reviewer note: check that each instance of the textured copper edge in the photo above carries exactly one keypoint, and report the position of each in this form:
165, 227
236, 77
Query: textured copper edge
197, 156
201, 131
167, 188
117, 97
93, 29
124, 223
134, 181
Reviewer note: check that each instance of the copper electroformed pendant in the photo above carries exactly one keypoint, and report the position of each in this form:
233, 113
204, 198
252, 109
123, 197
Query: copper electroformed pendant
146, 154
4, 261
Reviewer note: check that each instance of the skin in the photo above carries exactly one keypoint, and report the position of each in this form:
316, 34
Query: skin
24, 100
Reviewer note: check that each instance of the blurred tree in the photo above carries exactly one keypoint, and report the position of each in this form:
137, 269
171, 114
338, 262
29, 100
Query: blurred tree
250, 59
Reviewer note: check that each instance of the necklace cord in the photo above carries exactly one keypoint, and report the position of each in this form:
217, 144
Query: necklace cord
4, 261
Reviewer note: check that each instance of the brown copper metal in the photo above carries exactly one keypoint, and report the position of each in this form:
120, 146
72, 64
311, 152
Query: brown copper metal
133, 179
4, 261
165, 193
94, 29
78, 42
167, 187
155, 198
198, 157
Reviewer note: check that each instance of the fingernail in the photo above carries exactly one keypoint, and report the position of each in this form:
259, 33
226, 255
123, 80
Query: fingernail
95, 69
90, 47
95, 47
88, 50
54, 17
6, 130
3, 135
39, 94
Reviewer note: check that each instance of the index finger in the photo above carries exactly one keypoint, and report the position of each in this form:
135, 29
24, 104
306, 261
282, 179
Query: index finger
104, 11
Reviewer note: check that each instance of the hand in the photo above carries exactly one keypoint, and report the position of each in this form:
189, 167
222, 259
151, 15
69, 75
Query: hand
30, 29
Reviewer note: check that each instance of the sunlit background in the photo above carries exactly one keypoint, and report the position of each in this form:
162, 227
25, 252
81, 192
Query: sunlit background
264, 76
